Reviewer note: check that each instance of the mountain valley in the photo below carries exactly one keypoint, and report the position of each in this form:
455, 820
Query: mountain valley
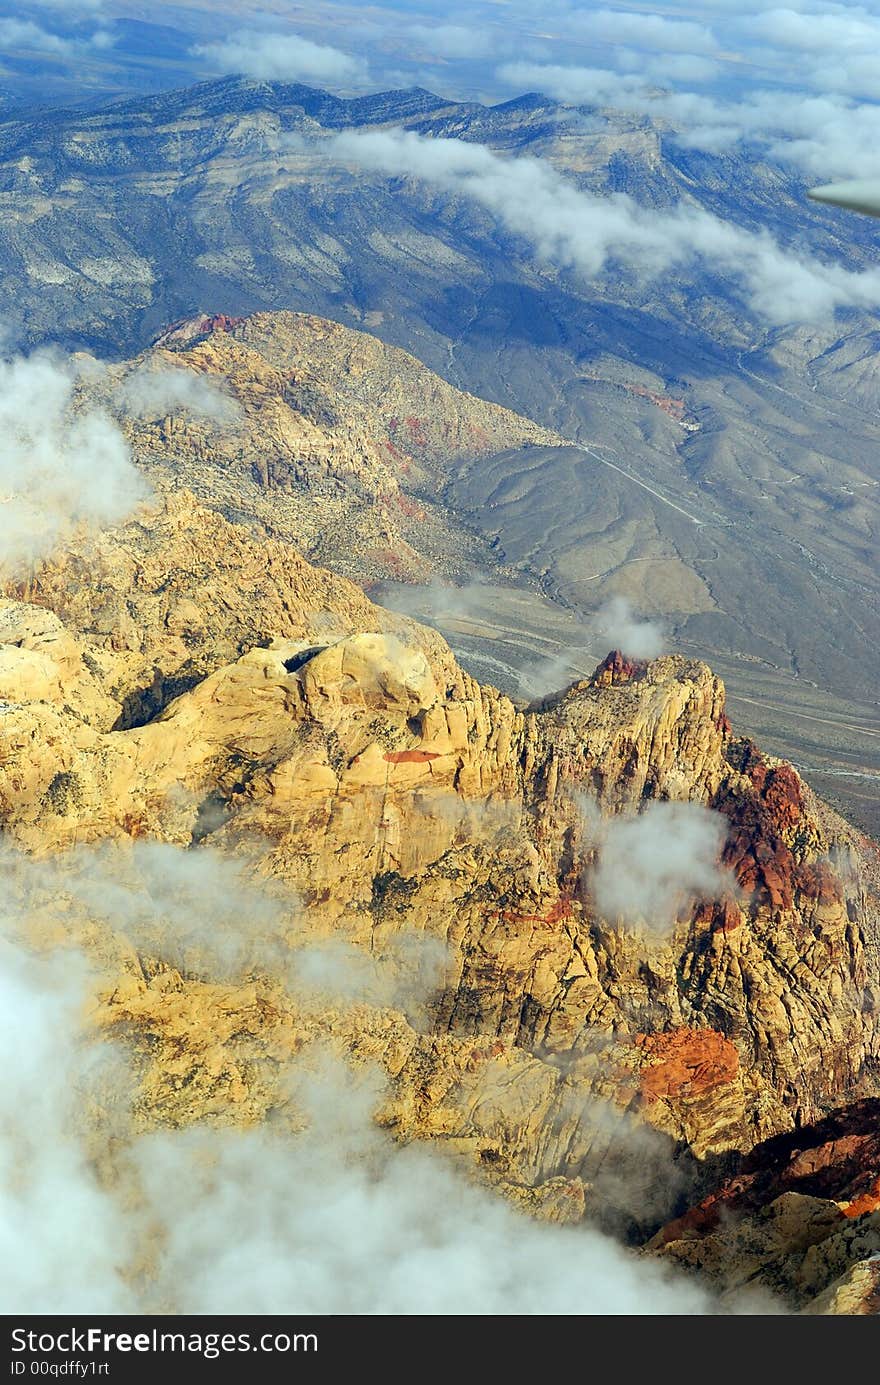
727, 482
439, 731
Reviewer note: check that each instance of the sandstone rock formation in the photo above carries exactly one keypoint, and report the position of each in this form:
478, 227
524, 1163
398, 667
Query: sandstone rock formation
801, 1218
183, 681
329, 438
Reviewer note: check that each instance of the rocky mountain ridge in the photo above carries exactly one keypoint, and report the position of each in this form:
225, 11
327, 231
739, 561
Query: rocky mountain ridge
324, 436
183, 682
803, 1211
749, 530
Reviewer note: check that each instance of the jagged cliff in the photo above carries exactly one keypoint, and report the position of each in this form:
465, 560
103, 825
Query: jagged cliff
801, 1218
185, 681
372, 464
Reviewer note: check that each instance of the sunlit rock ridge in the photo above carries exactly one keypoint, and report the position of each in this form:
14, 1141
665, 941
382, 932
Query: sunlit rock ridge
188, 681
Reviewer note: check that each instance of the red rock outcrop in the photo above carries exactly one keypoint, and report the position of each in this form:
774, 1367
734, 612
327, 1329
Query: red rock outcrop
764, 824
617, 668
685, 1062
189, 329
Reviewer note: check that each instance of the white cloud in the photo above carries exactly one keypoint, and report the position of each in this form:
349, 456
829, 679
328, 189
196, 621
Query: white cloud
61, 1237
60, 466
408, 974
23, 33
646, 31
654, 866
150, 392
281, 57
32, 38
579, 85
623, 629
576, 230
839, 30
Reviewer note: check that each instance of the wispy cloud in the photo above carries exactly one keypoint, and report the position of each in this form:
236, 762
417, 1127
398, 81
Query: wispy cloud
25, 35
578, 231
651, 31
61, 466
152, 392
652, 866
622, 628
278, 56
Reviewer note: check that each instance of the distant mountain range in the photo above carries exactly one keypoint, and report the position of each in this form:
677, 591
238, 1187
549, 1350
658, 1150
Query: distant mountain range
720, 475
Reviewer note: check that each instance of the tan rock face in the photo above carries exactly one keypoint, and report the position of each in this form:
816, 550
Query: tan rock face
390, 796
330, 439
41, 662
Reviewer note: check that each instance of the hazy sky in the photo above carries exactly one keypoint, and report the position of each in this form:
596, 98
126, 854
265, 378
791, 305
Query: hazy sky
801, 77
459, 47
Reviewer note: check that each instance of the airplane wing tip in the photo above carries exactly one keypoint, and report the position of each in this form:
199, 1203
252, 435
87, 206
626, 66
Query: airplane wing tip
859, 195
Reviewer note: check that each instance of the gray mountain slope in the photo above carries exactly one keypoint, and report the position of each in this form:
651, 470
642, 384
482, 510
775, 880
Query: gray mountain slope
730, 482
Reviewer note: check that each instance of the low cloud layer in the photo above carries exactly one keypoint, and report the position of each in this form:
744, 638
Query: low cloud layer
651, 31
338, 1220
321, 1208
796, 83
650, 868
806, 44
335, 1219
61, 467
62, 1239
278, 56
823, 134
577, 231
